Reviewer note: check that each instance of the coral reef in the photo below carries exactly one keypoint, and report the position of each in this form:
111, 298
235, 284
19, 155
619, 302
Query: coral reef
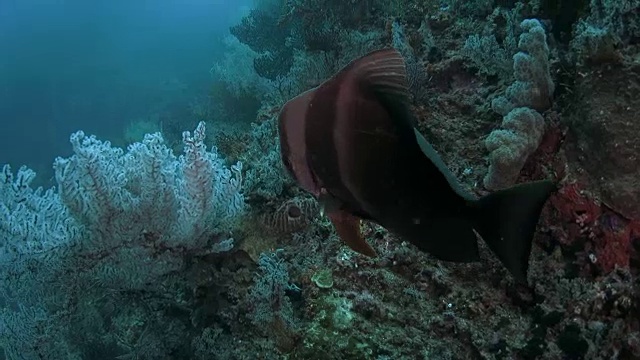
140, 254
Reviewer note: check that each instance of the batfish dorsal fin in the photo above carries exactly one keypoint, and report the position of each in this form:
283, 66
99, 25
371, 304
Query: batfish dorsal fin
383, 71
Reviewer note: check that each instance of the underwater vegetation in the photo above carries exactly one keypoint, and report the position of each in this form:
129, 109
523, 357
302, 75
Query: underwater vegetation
205, 244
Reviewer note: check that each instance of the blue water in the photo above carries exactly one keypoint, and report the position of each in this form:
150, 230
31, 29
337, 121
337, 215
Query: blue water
67, 65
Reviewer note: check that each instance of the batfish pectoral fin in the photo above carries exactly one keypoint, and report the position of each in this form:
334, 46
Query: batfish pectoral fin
328, 203
348, 229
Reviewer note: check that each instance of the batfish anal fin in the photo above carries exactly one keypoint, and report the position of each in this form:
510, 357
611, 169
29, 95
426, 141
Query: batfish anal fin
348, 229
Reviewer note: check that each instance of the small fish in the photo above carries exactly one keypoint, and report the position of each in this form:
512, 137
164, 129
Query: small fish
351, 142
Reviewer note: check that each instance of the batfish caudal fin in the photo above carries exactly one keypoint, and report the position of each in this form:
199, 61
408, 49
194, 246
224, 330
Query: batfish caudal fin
506, 220
348, 229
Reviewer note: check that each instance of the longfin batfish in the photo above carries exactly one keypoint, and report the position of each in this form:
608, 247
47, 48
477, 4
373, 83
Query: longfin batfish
352, 143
